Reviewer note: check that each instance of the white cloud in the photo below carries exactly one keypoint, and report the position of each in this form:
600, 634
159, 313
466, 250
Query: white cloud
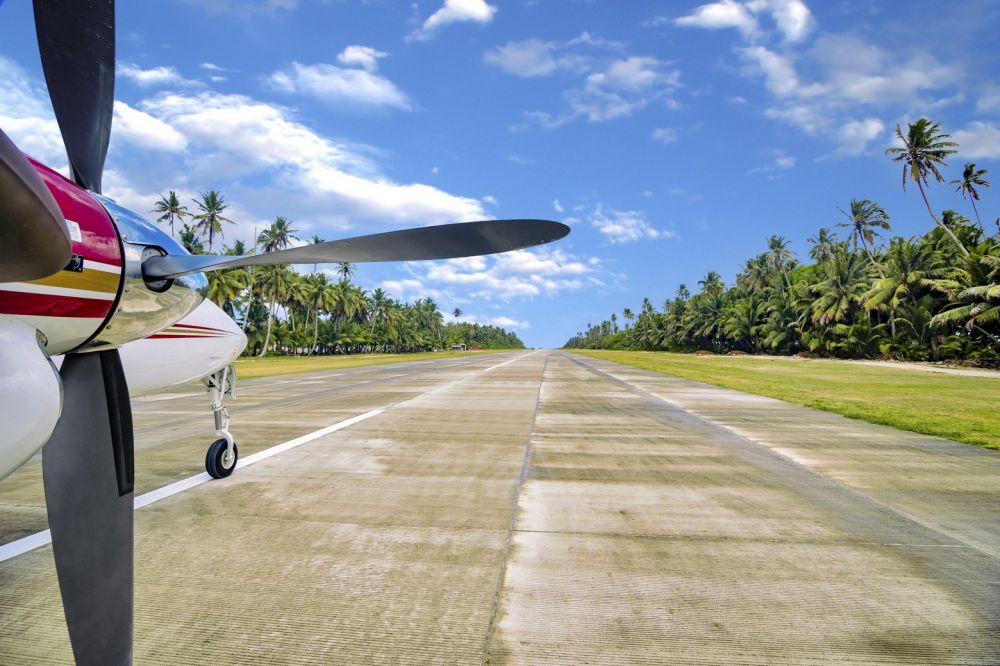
855, 135
792, 17
490, 199
212, 67
978, 140
664, 135
364, 57
623, 87
723, 14
338, 85
154, 77
454, 11
239, 136
26, 117
535, 57
507, 322
784, 162
143, 130
625, 226
557, 207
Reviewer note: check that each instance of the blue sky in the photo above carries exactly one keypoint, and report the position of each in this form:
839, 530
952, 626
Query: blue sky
674, 137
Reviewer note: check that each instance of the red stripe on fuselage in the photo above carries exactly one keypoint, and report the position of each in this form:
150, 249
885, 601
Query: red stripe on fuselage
202, 328
179, 336
46, 305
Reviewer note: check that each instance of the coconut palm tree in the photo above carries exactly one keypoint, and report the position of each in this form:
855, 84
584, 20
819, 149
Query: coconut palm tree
210, 219
190, 240
924, 148
910, 270
778, 254
845, 280
865, 218
225, 287
977, 305
274, 284
170, 207
712, 284
346, 270
823, 245
456, 313
972, 179
278, 236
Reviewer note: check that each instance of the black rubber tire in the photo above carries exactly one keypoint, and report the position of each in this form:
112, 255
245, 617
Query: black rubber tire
213, 459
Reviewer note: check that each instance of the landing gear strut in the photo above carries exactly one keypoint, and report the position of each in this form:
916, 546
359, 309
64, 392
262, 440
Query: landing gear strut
220, 461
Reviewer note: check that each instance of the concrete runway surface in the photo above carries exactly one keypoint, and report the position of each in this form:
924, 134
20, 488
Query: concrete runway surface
533, 508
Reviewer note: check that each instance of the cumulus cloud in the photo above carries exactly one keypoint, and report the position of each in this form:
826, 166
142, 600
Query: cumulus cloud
26, 116
623, 87
364, 57
978, 140
626, 226
504, 277
155, 77
791, 17
339, 85
143, 130
454, 11
535, 57
855, 135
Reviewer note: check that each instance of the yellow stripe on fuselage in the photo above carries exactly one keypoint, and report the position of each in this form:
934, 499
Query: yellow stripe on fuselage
87, 280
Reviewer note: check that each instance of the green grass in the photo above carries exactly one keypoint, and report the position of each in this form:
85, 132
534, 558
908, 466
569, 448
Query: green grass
958, 407
248, 368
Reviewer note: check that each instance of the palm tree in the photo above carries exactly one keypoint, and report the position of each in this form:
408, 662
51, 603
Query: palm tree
977, 305
457, 312
865, 217
346, 270
210, 218
316, 240
278, 236
778, 253
628, 315
911, 268
274, 284
824, 243
845, 281
191, 241
170, 207
924, 148
712, 284
972, 178
225, 287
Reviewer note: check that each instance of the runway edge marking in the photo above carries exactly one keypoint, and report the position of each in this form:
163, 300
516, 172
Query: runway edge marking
39, 539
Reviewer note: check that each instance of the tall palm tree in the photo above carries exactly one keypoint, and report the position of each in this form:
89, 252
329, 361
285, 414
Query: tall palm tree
712, 284
274, 284
316, 240
778, 253
824, 243
346, 270
379, 307
456, 313
972, 179
210, 218
278, 236
910, 269
924, 148
977, 305
170, 207
628, 315
865, 218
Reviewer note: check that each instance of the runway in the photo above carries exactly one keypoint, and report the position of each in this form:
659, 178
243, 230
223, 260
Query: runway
534, 508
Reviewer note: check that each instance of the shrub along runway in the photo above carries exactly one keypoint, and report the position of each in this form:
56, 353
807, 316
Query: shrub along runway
538, 508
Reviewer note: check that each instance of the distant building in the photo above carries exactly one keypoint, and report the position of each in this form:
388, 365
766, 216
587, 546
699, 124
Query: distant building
459, 347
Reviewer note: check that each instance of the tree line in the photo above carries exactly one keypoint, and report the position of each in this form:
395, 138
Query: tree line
931, 297
286, 312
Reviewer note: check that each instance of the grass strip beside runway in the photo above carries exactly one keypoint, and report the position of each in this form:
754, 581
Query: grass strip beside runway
960, 408
248, 368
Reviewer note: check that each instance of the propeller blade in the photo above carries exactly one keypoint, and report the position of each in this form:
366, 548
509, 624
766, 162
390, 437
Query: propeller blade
447, 241
34, 241
76, 39
87, 469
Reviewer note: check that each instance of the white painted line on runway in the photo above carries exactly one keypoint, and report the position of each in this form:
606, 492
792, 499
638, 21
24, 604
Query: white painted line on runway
500, 365
39, 539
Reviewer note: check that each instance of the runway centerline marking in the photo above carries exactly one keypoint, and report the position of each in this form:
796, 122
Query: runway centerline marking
39, 539
500, 365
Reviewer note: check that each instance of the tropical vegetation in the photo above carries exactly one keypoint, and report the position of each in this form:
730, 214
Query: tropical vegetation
865, 295
283, 311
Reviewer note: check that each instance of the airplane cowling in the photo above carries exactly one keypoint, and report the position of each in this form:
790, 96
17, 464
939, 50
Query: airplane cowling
30, 395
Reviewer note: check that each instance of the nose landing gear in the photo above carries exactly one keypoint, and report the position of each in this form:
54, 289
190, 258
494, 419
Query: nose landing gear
220, 461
